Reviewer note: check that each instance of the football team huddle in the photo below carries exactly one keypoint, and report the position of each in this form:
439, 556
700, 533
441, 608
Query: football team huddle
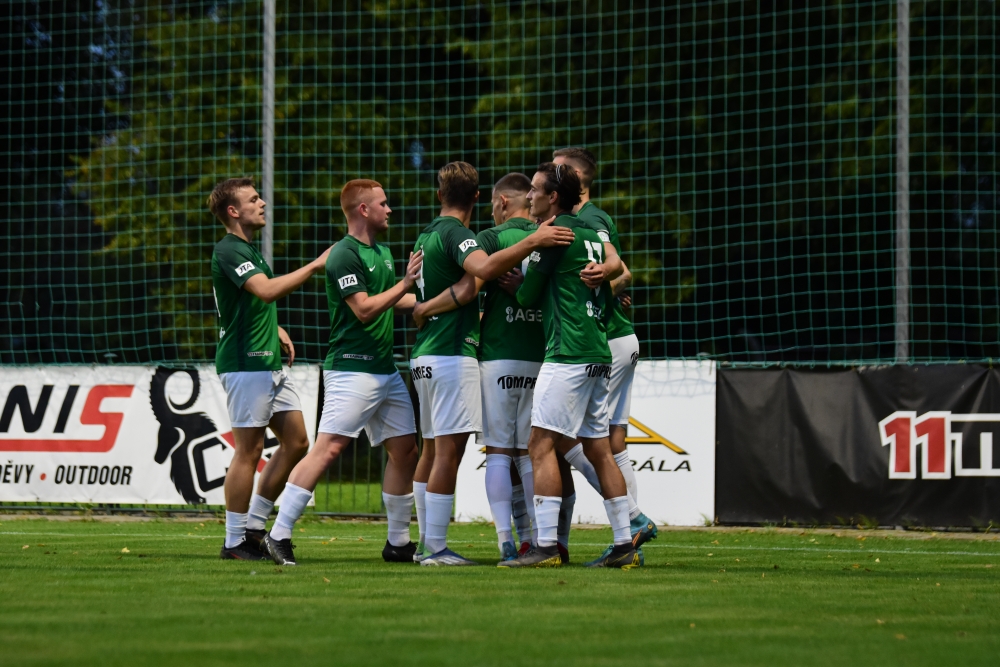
542, 375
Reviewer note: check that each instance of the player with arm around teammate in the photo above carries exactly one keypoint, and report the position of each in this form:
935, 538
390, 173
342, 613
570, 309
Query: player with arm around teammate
363, 389
621, 339
259, 392
510, 355
443, 362
570, 397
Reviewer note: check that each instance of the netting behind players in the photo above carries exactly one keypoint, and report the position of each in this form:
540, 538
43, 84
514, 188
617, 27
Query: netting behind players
747, 156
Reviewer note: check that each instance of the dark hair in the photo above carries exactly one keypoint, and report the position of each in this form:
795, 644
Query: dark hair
584, 159
224, 195
561, 179
458, 183
513, 184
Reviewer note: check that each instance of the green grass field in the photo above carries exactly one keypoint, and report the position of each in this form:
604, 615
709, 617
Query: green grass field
136, 593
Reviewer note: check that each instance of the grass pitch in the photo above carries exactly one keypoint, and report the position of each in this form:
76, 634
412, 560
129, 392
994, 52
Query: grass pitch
137, 593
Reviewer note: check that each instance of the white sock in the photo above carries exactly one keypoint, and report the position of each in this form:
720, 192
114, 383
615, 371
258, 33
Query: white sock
566, 519
293, 504
579, 460
260, 510
236, 528
518, 508
499, 493
625, 465
524, 469
547, 514
438, 516
617, 509
398, 509
419, 491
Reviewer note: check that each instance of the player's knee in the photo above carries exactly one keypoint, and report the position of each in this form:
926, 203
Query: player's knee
296, 447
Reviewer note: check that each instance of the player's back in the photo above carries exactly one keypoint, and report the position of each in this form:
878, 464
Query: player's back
572, 313
508, 330
446, 242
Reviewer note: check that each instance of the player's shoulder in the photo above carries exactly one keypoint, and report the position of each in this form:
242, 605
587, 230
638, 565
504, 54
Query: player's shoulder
591, 211
345, 251
231, 248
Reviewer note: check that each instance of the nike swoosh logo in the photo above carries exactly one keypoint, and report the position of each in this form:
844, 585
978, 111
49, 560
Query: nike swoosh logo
371, 268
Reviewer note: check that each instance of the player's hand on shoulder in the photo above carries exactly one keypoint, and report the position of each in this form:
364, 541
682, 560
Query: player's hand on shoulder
320, 262
413, 268
548, 235
593, 275
511, 281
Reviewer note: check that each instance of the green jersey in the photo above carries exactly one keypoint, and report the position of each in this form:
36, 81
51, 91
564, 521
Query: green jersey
618, 323
572, 313
446, 243
353, 267
508, 329
248, 327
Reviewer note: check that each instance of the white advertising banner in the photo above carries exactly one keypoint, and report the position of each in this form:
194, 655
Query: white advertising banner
671, 442
123, 434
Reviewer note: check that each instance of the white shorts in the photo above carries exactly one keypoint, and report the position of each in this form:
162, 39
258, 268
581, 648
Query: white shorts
379, 404
253, 397
572, 399
624, 355
450, 399
507, 387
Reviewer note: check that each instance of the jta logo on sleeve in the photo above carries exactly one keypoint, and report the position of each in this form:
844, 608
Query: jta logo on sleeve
951, 444
244, 267
348, 281
465, 245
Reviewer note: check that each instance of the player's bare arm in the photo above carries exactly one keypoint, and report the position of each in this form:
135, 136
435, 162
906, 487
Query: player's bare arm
287, 346
270, 290
459, 294
622, 282
595, 275
490, 267
366, 308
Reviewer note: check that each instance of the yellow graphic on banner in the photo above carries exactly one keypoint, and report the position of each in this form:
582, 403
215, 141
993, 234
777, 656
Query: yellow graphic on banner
651, 437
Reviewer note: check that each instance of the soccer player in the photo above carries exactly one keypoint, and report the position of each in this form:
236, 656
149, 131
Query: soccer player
510, 355
259, 393
443, 361
623, 343
571, 393
362, 388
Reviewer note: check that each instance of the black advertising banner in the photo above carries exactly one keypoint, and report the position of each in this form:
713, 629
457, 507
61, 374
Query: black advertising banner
899, 445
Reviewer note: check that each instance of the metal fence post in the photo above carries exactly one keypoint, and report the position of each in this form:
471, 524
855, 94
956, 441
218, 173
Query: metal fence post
902, 181
267, 237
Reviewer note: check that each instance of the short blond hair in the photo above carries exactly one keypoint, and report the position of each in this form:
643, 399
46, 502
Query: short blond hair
223, 196
458, 183
353, 193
